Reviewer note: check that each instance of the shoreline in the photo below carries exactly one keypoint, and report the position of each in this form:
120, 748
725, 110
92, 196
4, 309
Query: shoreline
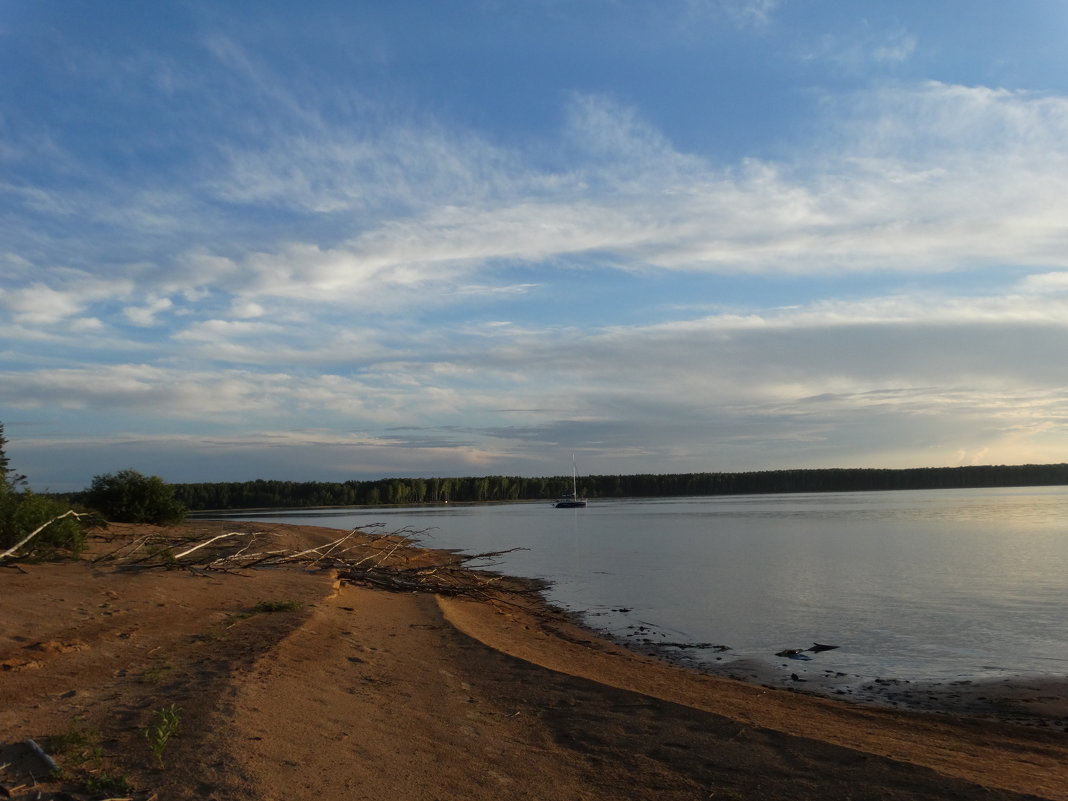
350, 691
1026, 699
1036, 699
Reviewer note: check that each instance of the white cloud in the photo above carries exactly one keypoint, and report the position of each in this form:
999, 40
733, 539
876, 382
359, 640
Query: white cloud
620, 147
286, 343
216, 330
380, 161
864, 46
38, 304
748, 12
1053, 282
933, 177
62, 298
897, 48
142, 388
232, 396
146, 315
928, 177
244, 310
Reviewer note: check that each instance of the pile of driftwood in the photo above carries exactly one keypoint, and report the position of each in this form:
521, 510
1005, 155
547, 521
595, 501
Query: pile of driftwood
391, 561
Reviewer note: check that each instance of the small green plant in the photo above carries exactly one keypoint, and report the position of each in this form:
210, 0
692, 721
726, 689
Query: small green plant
107, 783
214, 634
156, 675
264, 607
164, 725
164, 554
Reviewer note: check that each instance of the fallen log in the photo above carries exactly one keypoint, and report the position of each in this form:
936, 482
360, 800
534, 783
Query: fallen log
41, 755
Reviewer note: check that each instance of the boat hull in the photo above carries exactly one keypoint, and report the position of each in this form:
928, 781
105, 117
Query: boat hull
569, 504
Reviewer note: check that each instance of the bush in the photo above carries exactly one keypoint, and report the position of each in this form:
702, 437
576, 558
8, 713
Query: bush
130, 497
22, 512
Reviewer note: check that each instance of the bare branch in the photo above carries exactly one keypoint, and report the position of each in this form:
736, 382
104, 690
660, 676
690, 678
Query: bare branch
14, 548
209, 542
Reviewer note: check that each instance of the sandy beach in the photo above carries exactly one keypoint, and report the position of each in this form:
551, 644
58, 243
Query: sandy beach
289, 683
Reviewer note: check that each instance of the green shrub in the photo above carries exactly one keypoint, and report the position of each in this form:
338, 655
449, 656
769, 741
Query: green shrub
22, 512
130, 497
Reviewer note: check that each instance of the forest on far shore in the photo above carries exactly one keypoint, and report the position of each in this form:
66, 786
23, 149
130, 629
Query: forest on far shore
265, 493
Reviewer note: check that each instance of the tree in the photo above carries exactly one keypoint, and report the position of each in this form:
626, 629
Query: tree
130, 497
9, 479
5, 462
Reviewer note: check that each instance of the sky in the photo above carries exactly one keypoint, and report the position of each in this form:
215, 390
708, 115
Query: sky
353, 240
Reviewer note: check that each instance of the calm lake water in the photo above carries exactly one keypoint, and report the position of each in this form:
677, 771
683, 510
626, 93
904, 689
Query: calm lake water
920, 585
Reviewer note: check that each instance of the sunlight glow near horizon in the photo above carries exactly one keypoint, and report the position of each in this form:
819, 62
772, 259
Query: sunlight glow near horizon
400, 239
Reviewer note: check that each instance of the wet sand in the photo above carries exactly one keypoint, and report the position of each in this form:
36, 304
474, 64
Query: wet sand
1039, 700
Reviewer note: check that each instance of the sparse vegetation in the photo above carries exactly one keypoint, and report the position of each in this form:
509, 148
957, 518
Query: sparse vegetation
164, 726
265, 608
105, 783
156, 675
77, 745
270, 607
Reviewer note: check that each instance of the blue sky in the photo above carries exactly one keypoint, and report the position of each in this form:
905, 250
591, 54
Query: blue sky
352, 240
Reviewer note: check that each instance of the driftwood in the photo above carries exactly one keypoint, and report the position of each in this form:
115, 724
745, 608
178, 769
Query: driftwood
10, 552
456, 577
205, 544
390, 561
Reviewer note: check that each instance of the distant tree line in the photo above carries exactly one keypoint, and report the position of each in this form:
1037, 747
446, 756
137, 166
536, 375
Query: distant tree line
263, 493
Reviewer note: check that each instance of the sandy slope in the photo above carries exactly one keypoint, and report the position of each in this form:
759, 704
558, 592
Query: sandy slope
368, 694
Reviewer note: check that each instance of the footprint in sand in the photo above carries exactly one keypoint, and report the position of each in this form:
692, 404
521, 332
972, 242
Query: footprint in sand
55, 647
43, 650
20, 664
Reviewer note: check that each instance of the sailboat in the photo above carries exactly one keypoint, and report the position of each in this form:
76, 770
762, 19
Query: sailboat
572, 501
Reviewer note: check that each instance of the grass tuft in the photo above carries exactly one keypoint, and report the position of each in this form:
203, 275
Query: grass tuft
164, 725
156, 675
107, 784
77, 744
